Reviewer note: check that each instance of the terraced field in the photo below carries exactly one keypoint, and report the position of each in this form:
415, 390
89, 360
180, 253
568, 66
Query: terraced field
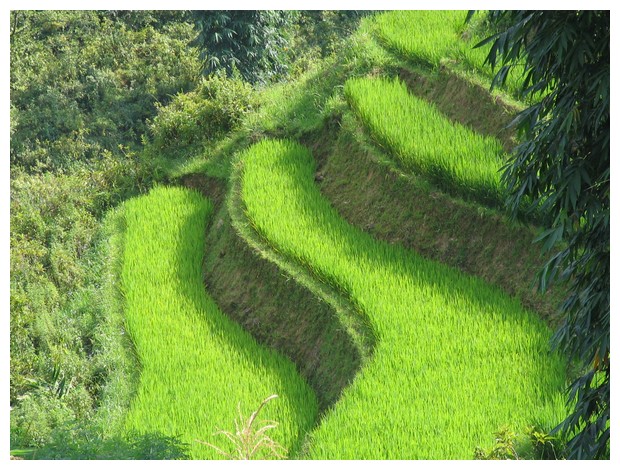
455, 359
323, 221
450, 154
197, 365
435, 37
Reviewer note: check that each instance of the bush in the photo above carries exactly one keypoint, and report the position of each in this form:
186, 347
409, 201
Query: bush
60, 362
534, 444
214, 108
85, 82
84, 443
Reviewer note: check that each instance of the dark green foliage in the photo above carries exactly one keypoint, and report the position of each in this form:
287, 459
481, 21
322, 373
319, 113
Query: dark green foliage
326, 28
250, 41
318, 34
138, 19
86, 444
84, 82
269, 45
563, 165
59, 365
51, 228
214, 108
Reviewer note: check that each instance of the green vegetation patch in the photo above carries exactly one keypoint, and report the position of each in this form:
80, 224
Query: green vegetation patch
424, 140
430, 37
455, 359
359, 181
197, 365
426, 36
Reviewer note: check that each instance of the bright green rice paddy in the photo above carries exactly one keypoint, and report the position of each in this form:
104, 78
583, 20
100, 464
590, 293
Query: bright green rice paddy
430, 36
197, 365
425, 141
455, 358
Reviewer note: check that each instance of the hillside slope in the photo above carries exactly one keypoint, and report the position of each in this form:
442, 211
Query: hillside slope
443, 338
373, 256
368, 190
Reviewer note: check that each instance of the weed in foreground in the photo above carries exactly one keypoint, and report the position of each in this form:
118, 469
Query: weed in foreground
248, 442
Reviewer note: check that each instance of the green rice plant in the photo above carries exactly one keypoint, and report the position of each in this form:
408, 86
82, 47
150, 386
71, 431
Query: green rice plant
424, 140
196, 364
423, 36
455, 358
432, 36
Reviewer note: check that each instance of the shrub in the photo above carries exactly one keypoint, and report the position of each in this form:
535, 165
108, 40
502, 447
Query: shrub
214, 108
58, 308
84, 443
86, 81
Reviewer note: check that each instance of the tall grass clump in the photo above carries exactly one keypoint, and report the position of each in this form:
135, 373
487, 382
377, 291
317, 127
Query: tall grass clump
429, 37
455, 359
424, 140
198, 368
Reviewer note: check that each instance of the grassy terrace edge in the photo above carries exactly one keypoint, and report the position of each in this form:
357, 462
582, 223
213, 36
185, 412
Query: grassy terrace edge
270, 302
368, 190
439, 37
464, 100
345, 421
452, 155
360, 340
173, 323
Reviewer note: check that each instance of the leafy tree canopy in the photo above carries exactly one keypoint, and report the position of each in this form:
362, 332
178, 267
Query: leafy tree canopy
250, 41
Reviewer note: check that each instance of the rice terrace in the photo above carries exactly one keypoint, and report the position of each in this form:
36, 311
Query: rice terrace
332, 235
